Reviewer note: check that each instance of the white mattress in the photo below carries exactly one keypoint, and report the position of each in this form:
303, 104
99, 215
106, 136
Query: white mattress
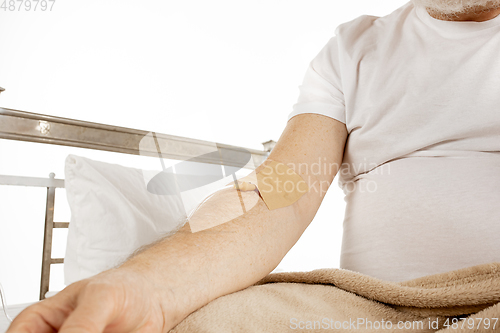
13, 311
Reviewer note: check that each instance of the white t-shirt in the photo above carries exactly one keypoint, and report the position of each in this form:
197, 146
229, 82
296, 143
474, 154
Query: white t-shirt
420, 98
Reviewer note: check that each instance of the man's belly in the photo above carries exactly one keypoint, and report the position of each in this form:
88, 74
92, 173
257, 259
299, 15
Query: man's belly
418, 216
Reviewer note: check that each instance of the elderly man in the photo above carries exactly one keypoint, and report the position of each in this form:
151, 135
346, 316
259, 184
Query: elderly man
406, 109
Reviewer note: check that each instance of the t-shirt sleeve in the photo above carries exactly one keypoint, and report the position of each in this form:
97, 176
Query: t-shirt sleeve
321, 89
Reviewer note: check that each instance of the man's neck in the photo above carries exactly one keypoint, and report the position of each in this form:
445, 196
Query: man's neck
479, 15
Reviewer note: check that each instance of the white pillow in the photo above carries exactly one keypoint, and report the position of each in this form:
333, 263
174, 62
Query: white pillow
113, 214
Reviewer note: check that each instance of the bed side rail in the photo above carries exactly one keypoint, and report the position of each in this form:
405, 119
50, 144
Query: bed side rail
33, 127
51, 184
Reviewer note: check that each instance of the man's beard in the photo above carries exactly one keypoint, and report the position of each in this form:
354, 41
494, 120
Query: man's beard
449, 8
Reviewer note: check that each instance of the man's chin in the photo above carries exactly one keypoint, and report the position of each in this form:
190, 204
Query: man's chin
451, 8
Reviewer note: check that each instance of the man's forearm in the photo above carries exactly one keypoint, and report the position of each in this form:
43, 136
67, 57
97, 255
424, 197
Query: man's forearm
199, 267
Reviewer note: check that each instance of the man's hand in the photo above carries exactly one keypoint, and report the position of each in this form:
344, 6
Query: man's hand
118, 300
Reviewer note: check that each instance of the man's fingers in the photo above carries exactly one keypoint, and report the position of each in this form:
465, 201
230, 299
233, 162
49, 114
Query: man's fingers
30, 321
101, 303
42, 317
92, 315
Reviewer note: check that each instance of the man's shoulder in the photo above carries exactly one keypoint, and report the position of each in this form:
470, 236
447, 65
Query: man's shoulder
369, 28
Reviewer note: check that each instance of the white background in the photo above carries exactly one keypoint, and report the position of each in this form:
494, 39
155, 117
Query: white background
226, 71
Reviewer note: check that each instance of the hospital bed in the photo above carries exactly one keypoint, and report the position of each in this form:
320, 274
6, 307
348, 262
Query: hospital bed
46, 129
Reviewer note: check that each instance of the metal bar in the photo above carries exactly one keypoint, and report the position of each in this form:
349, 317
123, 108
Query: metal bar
61, 224
57, 261
31, 181
47, 241
32, 127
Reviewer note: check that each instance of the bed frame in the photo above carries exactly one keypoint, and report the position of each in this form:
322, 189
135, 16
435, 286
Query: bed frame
32, 127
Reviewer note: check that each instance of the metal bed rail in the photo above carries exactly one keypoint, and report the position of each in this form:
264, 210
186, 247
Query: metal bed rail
51, 184
33, 127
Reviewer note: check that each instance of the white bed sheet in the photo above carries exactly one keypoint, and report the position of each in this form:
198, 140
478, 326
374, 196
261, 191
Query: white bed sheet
13, 311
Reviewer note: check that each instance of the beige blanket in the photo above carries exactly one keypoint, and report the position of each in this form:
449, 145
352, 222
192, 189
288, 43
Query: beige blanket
341, 300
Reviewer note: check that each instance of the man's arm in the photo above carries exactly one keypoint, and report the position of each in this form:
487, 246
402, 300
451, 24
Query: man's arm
160, 286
